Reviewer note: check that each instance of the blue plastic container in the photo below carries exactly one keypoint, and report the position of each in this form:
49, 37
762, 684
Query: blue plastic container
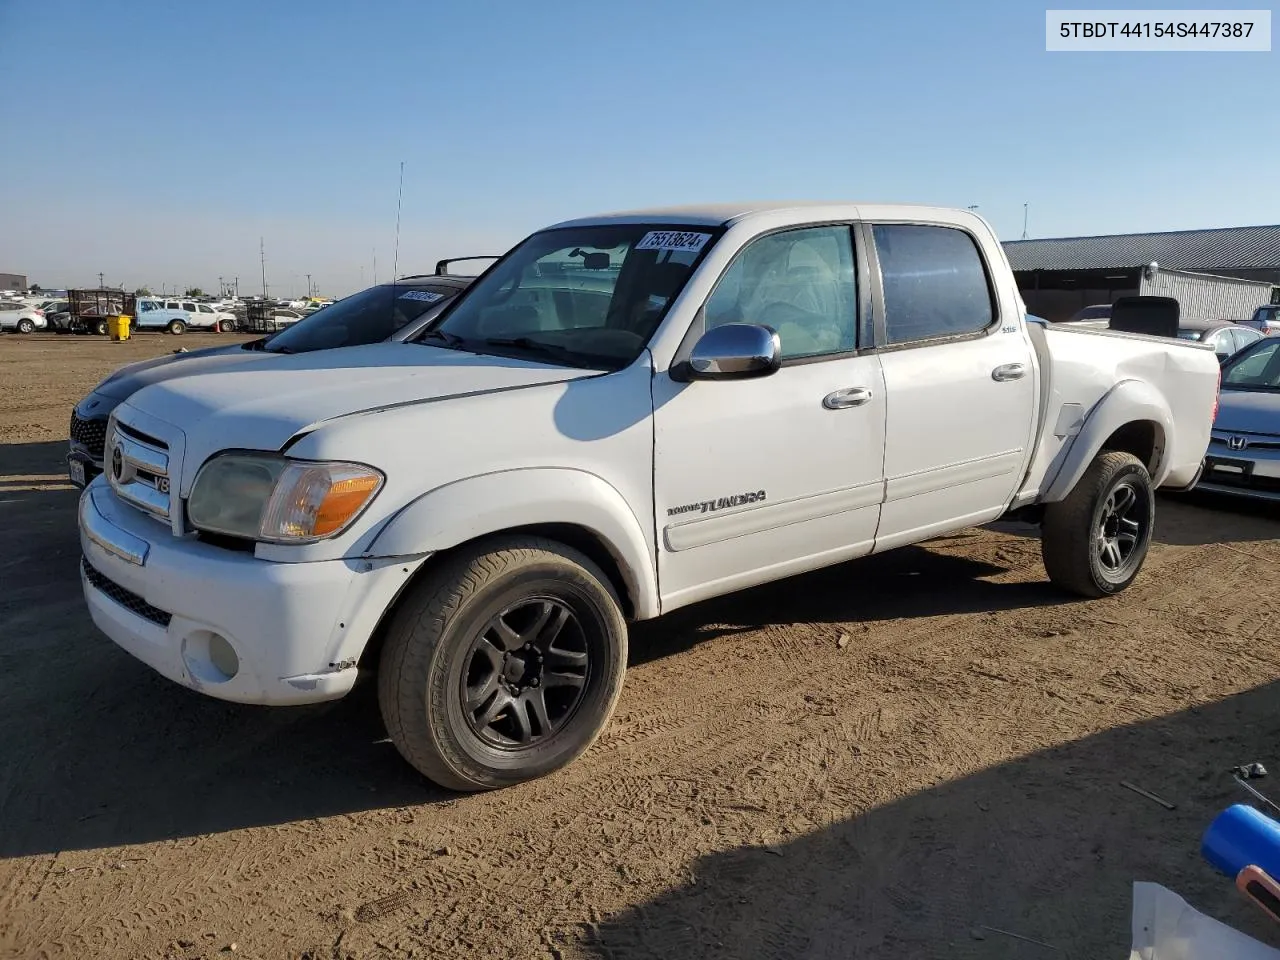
1240, 836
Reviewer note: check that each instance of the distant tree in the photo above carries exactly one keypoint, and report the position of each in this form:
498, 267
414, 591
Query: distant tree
35, 288
142, 292
194, 292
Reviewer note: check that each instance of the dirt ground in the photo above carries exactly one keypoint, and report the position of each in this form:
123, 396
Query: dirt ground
878, 760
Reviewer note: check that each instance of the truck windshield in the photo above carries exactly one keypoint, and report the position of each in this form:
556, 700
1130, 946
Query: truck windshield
588, 296
369, 316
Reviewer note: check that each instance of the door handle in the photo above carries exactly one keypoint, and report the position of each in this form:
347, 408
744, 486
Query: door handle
850, 397
1009, 371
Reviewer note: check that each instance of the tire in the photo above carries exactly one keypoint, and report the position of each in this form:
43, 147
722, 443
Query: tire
176, 327
226, 326
100, 327
26, 326
461, 632
1089, 546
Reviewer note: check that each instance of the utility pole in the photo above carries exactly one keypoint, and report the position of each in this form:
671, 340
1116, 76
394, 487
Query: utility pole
375, 266
237, 288
262, 256
99, 280
308, 284
1024, 221
222, 289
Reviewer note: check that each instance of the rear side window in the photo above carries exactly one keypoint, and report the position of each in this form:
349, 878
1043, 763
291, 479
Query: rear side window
935, 284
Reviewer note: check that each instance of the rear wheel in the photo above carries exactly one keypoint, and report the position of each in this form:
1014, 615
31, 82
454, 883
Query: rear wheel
100, 327
502, 665
25, 325
176, 327
1094, 542
226, 326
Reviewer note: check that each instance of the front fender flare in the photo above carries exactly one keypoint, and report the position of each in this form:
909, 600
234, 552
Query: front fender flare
1129, 401
474, 507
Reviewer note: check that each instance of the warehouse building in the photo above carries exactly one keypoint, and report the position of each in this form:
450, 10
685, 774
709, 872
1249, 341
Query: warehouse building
1222, 274
13, 281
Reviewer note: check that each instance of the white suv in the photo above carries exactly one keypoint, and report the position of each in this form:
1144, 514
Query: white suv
203, 316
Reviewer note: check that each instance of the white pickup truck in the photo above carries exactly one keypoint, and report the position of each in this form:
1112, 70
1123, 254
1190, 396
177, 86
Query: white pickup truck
624, 415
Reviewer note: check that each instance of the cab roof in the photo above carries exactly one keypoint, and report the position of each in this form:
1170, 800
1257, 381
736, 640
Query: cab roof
724, 214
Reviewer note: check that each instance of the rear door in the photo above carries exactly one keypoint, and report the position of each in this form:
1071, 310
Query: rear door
959, 378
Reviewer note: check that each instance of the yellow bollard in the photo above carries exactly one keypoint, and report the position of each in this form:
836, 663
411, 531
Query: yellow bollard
118, 327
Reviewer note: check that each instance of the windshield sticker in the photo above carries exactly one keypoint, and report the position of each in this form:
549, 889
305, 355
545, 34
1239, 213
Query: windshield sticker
674, 240
426, 295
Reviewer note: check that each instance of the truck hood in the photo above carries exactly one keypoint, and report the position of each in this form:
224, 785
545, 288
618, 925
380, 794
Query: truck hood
261, 405
132, 378
1248, 411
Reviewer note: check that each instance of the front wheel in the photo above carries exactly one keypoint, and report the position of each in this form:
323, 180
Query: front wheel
176, 327
502, 665
1095, 541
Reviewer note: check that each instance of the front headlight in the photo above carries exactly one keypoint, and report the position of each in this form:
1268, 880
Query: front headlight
264, 497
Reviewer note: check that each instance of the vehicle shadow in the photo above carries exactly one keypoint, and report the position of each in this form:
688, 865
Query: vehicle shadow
1197, 518
909, 582
1045, 846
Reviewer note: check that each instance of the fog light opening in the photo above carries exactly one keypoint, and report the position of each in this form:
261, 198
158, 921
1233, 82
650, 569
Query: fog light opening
209, 657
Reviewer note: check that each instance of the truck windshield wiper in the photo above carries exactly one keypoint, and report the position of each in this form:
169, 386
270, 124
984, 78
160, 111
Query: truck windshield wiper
564, 354
451, 340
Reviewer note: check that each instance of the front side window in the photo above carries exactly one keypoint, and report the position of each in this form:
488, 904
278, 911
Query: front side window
588, 296
799, 282
935, 284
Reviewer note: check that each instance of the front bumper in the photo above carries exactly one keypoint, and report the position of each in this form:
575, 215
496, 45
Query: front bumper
1251, 471
295, 630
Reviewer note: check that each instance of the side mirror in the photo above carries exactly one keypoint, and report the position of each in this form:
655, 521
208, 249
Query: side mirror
734, 351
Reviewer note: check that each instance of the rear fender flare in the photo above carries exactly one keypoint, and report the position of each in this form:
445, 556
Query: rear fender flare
1129, 401
507, 500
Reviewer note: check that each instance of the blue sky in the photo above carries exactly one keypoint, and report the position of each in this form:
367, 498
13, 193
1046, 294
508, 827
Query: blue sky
156, 141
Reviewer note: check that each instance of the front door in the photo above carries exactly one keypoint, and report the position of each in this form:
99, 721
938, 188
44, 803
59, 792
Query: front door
756, 479
961, 382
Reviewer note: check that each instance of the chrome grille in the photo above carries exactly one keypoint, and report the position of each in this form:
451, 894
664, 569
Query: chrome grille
1246, 441
137, 467
90, 434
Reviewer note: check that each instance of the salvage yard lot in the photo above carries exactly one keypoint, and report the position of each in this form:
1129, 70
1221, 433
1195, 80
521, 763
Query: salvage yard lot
872, 761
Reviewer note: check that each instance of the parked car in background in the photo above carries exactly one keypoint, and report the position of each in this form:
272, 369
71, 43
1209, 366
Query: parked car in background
203, 316
158, 315
19, 317
385, 312
1266, 320
625, 415
1244, 450
1224, 336
1097, 315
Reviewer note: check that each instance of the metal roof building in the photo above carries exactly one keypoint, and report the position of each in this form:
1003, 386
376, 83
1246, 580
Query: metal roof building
1245, 252
1059, 276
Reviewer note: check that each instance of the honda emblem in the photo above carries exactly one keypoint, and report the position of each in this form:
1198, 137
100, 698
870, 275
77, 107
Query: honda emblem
1237, 443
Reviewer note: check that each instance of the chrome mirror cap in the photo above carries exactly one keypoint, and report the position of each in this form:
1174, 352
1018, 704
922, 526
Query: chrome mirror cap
734, 351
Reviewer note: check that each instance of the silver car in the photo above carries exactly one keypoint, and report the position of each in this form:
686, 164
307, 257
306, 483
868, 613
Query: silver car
1244, 453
